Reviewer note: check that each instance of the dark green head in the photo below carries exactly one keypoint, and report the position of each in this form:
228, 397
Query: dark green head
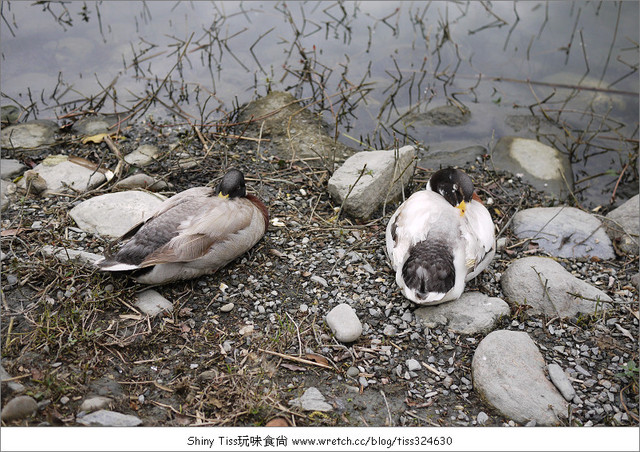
232, 185
453, 184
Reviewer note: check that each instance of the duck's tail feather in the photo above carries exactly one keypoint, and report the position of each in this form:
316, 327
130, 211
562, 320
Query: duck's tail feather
429, 269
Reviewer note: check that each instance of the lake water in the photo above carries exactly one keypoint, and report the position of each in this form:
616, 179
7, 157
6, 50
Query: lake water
371, 68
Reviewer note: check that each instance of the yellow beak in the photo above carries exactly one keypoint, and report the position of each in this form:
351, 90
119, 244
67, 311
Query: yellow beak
463, 207
220, 195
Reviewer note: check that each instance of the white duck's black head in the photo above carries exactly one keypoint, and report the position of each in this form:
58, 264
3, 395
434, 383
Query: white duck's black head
232, 185
454, 185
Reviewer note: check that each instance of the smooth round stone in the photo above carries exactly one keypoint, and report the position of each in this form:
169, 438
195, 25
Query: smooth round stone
227, 307
353, 371
19, 408
344, 323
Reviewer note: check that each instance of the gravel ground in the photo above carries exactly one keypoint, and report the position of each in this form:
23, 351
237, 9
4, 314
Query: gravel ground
70, 332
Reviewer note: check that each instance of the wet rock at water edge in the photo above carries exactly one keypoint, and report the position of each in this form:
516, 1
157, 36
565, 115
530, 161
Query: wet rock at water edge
344, 323
94, 125
545, 286
542, 166
508, 373
440, 158
142, 156
622, 225
29, 135
152, 303
472, 313
113, 214
294, 131
564, 232
19, 408
106, 418
9, 114
445, 115
311, 400
369, 178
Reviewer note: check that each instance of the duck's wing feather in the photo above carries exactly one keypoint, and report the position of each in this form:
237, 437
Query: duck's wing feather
479, 232
221, 220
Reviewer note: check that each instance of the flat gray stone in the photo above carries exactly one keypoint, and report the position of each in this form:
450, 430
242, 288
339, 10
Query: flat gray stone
94, 125
482, 418
622, 225
561, 381
472, 313
19, 408
564, 232
141, 180
13, 386
311, 400
152, 303
295, 132
413, 365
64, 176
29, 135
344, 323
541, 166
10, 168
70, 255
440, 158
106, 418
545, 286
95, 403
113, 214
6, 188
142, 156
508, 373
386, 174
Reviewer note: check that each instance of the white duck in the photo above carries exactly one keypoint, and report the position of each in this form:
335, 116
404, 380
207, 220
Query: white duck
440, 238
193, 233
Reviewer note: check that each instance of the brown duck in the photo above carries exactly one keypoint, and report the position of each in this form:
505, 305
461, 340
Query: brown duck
193, 233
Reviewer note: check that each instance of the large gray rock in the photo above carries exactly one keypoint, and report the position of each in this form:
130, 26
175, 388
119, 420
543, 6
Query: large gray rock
472, 313
29, 135
545, 286
143, 181
344, 323
622, 225
369, 178
564, 232
113, 214
295, 132
64, 175
311, 400
93, 125
10, 168
542, 166
106, 418
508, 373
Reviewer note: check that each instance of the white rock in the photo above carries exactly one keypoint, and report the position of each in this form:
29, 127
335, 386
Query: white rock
113, 214
29, 135
65, 176
67, 254
311, 400
95, 403
227, 307
374, 184
508, 372
560, 380
344, 323
105, 418
542, 166
472, 313
622, 225
142, 156
10, 168
413, 365
152, 303
545, 286
482, 418
140, 180
564, 232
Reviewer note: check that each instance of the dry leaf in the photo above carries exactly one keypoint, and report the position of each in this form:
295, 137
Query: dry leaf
97, 139
317, 358
278, 422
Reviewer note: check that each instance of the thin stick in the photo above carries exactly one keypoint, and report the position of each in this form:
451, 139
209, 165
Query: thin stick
295, 358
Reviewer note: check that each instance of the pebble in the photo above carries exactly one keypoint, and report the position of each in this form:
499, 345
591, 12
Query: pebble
19, 408
353, 371
389, 330
311, 400
95, 403
106, 418
482, 418
560, 380
152, 303
13, 386
142, 156
413, 365
227, 307
344, 323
